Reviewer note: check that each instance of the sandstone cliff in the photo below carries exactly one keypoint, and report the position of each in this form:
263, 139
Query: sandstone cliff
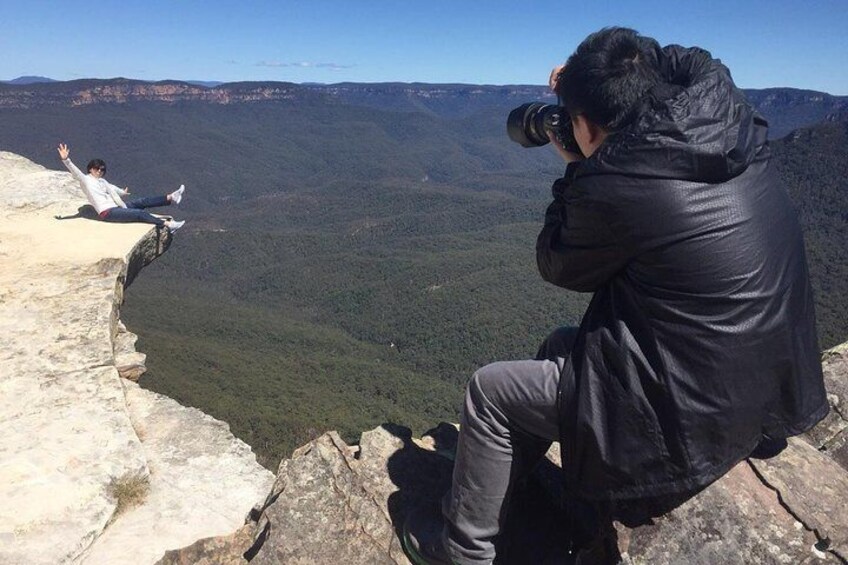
121, 91
94, 469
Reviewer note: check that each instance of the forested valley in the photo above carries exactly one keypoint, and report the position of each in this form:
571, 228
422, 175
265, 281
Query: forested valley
347, 264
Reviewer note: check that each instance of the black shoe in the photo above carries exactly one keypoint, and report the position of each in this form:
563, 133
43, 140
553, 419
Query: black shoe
422, 536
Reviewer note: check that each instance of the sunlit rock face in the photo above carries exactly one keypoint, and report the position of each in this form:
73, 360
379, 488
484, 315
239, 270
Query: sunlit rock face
76, 435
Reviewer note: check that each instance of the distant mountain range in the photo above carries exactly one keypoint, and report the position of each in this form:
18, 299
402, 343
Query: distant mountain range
786, 108
439, 99
28, 80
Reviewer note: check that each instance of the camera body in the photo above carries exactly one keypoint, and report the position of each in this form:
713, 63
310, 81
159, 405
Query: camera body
529, 124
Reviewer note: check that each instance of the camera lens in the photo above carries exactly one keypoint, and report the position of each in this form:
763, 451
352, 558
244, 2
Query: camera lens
529, 124
525, 124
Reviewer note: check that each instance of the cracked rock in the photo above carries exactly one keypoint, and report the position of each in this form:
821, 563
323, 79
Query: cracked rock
814, 488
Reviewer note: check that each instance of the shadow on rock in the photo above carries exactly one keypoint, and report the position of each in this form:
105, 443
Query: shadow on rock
538, 527
86, 212
421, 470
543, 526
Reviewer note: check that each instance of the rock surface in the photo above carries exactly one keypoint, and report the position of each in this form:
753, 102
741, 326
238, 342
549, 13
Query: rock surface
335, 503
128, 361
202, 480
833, 435
70, 424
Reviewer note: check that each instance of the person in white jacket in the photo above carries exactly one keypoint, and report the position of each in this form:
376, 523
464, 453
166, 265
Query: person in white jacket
105, 198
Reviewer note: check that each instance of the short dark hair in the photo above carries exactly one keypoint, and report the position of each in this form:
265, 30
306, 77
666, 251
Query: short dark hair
96, 164
608, 74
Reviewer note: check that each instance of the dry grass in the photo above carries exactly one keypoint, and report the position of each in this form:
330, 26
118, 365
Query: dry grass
129, 491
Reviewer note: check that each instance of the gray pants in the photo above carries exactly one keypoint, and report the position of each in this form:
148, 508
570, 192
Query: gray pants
508, 422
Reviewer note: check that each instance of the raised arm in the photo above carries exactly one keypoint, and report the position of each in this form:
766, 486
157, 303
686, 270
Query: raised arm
64, 154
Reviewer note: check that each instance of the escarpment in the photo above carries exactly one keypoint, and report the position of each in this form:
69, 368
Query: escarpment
94, 469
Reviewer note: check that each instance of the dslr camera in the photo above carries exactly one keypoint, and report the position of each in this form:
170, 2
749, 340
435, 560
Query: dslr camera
529, 124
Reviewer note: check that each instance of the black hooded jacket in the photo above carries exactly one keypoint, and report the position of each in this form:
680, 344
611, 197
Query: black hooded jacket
700, 338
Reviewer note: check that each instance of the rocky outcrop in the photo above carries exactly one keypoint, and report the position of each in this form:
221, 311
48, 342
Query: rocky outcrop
94, 469
336, 503
831, 436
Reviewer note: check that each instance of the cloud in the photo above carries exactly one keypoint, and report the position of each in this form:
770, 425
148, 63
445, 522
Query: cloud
304, 65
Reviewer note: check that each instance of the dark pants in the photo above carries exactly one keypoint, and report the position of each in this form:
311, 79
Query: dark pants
134, 212
508, 422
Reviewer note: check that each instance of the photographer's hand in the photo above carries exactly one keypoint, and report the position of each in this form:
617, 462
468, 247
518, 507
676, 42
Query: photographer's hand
567, 156
553, 80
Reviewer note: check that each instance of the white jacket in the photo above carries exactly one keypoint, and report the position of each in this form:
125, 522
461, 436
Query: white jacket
100, 193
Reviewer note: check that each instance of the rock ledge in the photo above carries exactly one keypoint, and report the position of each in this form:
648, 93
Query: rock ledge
73, 429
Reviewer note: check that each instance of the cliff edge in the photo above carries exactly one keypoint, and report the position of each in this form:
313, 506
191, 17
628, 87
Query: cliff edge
94, 469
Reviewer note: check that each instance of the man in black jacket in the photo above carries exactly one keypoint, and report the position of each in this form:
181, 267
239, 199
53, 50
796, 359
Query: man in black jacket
699, 342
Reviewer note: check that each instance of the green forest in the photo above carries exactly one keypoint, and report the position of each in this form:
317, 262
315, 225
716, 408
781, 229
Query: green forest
345, 266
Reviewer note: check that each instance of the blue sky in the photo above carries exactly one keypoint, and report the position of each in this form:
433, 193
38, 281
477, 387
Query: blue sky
765, 43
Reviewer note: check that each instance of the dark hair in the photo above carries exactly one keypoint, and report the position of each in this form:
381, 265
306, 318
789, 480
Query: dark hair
96, 164
608, 74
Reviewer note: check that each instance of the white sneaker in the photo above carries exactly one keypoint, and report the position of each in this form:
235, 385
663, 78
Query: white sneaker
174, 225
177, 195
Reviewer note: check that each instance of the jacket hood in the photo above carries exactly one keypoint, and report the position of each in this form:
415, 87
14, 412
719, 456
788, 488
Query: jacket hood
696, 126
